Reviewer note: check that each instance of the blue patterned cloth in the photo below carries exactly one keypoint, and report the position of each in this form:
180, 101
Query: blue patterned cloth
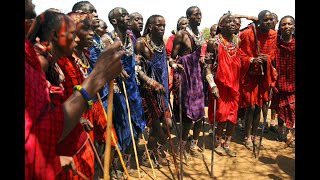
120, 112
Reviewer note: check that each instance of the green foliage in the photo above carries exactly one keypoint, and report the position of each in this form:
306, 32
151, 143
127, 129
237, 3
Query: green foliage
206, 33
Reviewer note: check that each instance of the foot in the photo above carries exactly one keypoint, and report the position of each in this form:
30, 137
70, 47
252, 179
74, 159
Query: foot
134, 173
195, 150
256, 143
145, 160
230, 152
221, 151
160, 158
248, 144
119, 175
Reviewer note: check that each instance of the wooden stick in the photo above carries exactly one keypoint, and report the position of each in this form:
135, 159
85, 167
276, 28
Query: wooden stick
114, 140
80, 174
95, 152
213, 137
107, 157
169, 135
257, 44
145, 145
131, 130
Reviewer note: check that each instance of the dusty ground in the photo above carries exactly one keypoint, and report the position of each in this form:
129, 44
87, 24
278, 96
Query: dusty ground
275, 161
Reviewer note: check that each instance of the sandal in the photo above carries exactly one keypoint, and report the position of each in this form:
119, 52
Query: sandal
221, 151
119, 176
230, 152
256, 144
248, 144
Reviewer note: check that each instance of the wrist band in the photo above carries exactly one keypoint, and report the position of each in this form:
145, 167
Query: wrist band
150, 81
210, 80
84, 94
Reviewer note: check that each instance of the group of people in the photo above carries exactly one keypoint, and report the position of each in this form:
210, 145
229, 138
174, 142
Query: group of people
75, 69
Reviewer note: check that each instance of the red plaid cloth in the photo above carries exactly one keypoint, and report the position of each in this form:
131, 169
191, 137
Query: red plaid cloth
254, 88
84, 159
78, 136
43, 124
285, 64
83, 163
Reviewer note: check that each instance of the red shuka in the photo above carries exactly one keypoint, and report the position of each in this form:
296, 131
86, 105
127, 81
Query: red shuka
227, 81
43, 123
84, 158
255, 87
169, 46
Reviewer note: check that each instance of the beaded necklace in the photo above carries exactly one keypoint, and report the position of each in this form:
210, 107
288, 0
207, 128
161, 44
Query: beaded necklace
198, 39
82, 67
153, 46
230, 47
127, 46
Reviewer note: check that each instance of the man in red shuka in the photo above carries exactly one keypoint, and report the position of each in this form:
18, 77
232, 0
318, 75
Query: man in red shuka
224, 60
255, 86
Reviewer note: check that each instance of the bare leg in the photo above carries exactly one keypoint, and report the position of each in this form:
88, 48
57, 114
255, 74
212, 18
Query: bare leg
256, 120
218, 144
248, 121
265, 114
230, 132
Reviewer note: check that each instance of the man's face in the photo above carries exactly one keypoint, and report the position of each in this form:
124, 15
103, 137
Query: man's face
122, 17
158, 28
90, 9
213, 30
30, 12
228, 24
85, 32
195, 17
183, 24
137, 23
102, 28
287, 26
266, 23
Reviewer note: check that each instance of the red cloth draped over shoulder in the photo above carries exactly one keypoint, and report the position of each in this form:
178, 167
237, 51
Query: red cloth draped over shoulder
43, 124
73, 76
227, 80
169, 46
255, 87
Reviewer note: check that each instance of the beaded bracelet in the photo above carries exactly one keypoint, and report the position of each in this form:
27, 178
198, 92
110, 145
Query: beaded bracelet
84, 94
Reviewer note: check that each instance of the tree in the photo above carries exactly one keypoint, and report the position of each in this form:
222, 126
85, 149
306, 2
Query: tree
206, 33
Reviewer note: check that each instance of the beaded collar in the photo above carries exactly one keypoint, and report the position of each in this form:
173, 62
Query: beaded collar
100, 45
127, 46
198, 39
230, 47
83, 64
153, 46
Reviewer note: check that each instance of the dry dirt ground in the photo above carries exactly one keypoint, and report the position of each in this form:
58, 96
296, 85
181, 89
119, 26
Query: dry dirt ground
275, 160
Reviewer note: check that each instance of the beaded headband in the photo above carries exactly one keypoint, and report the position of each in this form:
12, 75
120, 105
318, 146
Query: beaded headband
78, 16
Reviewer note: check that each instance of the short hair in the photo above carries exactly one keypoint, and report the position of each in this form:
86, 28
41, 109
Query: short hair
132, 15
111, 14
279, 29
179, 21
262, 14
190, 9
79, 5
150, 21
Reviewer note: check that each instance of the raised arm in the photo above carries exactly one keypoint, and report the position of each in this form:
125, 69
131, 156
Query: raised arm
108, 67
